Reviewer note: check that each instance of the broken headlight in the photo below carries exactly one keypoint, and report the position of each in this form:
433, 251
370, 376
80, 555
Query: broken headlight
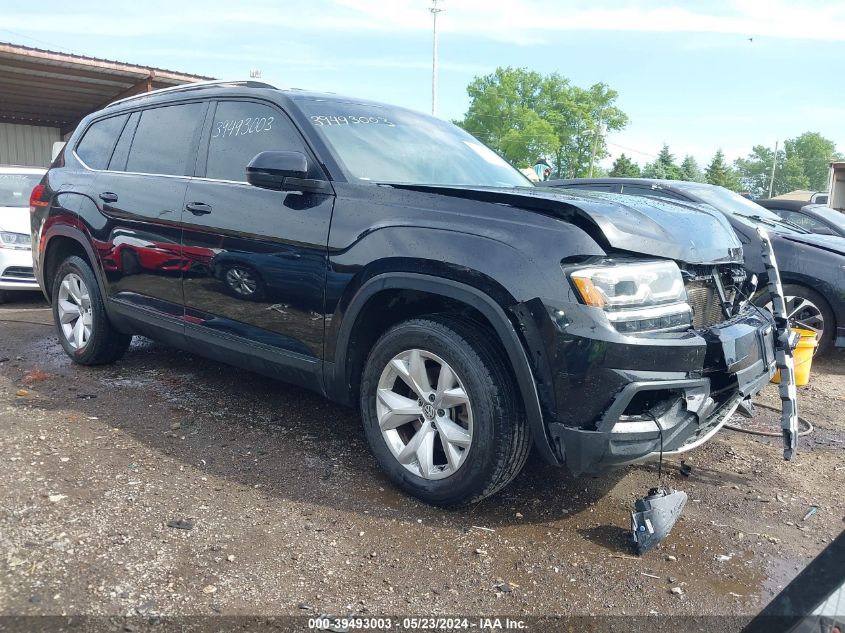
638, 297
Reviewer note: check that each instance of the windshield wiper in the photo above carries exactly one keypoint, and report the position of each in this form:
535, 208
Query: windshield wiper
778, 222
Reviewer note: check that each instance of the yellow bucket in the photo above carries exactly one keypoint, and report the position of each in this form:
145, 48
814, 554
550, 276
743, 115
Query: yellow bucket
802, 356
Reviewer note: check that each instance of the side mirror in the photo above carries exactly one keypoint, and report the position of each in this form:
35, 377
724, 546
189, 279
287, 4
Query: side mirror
823, 230
269, 170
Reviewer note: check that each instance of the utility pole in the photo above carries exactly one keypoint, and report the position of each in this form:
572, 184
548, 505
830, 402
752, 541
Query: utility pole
599, 131
434, 11
774, 164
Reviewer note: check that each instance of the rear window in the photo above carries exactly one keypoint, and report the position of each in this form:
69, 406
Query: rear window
164, 141
15, 189
96, 146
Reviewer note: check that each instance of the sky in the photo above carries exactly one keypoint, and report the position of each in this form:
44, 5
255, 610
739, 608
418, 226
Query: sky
699, 76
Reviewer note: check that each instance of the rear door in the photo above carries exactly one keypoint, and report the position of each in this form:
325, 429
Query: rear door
258, 256
141, 197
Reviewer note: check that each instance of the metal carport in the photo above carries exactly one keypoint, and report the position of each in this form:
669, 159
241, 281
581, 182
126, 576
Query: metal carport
44, 94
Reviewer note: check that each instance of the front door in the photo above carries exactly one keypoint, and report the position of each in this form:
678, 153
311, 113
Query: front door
258, 256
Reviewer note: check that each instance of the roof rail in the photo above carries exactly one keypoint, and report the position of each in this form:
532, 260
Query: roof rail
195, 86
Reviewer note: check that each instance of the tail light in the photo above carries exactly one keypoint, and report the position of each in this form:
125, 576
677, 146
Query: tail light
35, 198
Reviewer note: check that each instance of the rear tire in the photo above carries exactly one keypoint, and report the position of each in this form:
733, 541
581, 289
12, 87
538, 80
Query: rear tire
84, 329
4, 296
477, 447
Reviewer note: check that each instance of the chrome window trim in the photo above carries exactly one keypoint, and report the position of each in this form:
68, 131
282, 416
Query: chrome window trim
129, 173
141, 173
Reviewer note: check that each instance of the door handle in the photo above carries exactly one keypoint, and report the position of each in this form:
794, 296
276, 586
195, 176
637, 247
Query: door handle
108, 196
198, 208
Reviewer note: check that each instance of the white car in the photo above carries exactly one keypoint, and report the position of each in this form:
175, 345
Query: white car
16, 183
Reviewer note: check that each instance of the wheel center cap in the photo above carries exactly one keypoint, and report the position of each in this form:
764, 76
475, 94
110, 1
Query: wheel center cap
428, 412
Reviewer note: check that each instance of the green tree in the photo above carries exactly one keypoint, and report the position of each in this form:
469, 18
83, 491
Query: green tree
755, 170
791, 171
624, 167
794, 175
530, 138
552, 119
504, 114
578, 116
664, 167
815, 153
690, 170
718, 172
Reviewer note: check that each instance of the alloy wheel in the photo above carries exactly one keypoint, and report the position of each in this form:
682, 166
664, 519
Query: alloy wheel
241, 281
424, 414
803, 313
74, 309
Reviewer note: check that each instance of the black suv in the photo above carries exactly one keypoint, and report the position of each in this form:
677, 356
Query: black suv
387, 258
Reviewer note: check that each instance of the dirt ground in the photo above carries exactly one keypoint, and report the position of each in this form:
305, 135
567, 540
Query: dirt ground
291, 515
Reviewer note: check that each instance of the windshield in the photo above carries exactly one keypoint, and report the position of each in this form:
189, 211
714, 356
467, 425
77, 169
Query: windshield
15, 189
384, 144
730, 202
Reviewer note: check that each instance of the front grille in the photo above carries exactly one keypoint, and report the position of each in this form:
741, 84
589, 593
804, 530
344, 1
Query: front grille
23, 273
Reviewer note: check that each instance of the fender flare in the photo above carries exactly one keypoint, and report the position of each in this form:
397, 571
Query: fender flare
479, 300
77, 235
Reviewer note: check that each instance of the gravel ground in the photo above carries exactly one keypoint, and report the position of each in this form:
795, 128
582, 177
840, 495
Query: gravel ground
289, 513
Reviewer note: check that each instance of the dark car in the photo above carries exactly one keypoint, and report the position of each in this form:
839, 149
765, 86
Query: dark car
397, 264
812, 267
816, 218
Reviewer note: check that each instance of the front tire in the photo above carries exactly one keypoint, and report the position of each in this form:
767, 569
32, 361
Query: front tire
440, 411
84, 329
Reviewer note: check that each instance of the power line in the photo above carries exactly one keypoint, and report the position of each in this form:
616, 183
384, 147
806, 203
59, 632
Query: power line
631, 149
32, 39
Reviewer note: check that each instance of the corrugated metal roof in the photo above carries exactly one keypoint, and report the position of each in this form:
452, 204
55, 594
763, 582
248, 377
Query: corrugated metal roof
56, 89
86, 60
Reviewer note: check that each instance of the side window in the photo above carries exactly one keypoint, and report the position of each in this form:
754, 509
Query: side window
242, 129
610, 187
640, 190
96, 146
121, 150
164, 140
646, 190
802, 220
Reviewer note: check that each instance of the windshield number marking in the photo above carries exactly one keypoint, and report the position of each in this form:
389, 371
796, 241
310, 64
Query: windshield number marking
350, 120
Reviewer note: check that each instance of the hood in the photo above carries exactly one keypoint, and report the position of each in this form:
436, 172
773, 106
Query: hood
691, 234
14, 219
832, 243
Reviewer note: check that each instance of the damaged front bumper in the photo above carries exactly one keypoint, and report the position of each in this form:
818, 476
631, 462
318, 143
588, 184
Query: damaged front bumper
645, 394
